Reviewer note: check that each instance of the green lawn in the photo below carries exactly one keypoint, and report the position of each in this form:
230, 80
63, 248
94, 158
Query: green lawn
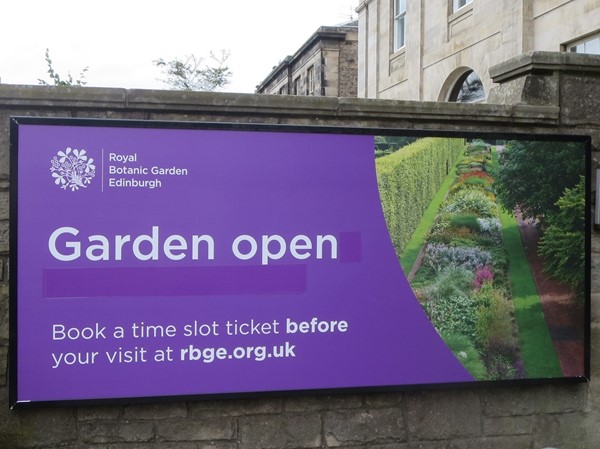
537, 350
539, 356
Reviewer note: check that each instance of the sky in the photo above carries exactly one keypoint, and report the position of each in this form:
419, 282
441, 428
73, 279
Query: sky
118, 40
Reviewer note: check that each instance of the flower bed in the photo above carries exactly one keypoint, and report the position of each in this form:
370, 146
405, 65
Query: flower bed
462, 282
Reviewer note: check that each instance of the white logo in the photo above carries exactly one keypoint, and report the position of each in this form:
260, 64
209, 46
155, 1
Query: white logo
72, 169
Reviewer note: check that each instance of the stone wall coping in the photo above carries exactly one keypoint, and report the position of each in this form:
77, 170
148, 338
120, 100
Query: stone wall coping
543, 61
267, 107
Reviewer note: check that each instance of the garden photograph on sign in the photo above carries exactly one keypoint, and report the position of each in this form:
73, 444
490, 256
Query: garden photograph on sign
496, 253
173, 260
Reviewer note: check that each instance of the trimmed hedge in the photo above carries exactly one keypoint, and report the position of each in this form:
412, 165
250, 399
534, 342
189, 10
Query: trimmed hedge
409, 179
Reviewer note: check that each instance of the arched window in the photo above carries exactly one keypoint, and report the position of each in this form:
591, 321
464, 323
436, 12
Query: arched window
468, 89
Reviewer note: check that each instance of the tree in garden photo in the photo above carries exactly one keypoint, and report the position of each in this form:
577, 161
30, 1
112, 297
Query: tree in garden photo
564, 239
544, 181
385, 145
533, 175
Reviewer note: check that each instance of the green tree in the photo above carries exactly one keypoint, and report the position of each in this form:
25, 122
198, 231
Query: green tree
563, 242
193, 73
533, 175
56, 79
388, 144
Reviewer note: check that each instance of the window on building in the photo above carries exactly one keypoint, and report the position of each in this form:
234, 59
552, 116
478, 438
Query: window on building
457, 4
283, 90
310, 80
296, 87
399, 24
468, 89
591, 45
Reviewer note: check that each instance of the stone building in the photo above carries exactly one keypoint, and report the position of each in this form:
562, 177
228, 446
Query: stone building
442, 50
326, 65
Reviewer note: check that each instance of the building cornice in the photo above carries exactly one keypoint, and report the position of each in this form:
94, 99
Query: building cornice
323, 33
363, 4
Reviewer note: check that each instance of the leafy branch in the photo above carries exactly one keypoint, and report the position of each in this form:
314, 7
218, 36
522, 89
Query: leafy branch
192, 73
56, 79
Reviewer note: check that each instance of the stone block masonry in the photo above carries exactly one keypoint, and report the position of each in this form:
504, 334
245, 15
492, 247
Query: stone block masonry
500, 417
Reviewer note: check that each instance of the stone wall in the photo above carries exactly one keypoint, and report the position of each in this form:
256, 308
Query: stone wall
500, 417
348, 69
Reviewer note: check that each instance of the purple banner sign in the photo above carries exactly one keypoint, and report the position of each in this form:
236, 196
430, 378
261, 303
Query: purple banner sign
170, 262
